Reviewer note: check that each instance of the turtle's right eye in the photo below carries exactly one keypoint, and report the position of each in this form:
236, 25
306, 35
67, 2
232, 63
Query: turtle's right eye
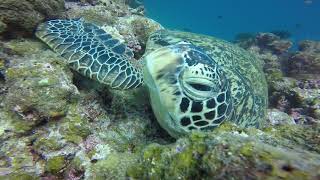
200, 87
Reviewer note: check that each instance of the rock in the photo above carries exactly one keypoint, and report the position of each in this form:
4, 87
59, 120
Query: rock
113, 167
276, 117
105, 12
230, 153
316, 113
309, 101
135, 3
293, 78
135, 31
22, 16
284, 85
55, 164
57, 122
305, 63
280, 46
39, 90
15, 156
3, 26
117, 20
273, 43
309, 46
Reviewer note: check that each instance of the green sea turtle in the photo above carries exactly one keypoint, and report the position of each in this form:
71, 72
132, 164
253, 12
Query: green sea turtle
195, 82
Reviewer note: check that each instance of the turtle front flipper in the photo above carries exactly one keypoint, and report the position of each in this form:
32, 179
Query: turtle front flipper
92, 52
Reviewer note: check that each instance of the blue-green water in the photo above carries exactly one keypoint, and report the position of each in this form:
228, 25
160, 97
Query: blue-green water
226, 18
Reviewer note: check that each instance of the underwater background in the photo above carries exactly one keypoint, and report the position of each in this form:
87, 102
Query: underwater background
226, 18
58, 124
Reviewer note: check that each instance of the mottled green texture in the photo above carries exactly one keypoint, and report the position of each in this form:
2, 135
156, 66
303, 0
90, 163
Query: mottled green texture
55, 164
307, 97
22, 176
276, 117
236, 68
40, 88
74, 127
113, 167
95, 122
229, 152
305, 63
3, 26
16, 157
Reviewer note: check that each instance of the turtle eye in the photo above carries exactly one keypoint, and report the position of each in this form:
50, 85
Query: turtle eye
200, 87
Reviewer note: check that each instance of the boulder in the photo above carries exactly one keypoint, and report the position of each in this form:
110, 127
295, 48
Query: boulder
22, 16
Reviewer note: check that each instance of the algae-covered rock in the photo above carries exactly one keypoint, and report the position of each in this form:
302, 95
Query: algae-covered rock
116, 18
273, 42
230, 153
86, 126
16, 158
40, 89
306, 62
55, 164
276, 117
24, 15
104, 12
113, 167
3, 26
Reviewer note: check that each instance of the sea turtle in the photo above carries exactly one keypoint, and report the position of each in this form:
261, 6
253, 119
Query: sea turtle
195, 82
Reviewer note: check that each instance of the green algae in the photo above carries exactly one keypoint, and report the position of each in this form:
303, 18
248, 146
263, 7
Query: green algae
21, 176
231, 152
74, 127
39, 89
293, 136
55, 164
50, 144
113, 167
25, 46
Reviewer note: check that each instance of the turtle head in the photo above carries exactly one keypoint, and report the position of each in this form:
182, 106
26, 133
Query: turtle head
188, 90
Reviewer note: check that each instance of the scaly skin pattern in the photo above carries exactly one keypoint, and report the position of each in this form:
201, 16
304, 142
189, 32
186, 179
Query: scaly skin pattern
92, 52
242, 69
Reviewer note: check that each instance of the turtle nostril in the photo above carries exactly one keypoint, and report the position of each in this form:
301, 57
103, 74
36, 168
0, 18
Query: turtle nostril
200, 87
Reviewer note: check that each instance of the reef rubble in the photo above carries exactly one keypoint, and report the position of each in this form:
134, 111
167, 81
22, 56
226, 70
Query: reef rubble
56, 124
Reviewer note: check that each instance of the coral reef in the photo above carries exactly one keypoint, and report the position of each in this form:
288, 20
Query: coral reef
293, 77
273, 43
230, 153
56, 124
22, 16
306, 62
